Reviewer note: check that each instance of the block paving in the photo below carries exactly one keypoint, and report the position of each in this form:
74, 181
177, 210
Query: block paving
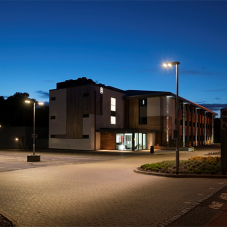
104, 193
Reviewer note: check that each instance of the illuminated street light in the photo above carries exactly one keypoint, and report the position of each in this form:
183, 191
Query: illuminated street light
34, 135
170, 64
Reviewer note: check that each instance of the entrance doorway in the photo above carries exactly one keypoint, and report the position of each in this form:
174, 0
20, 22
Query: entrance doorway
131, 141
124, 141
140, 141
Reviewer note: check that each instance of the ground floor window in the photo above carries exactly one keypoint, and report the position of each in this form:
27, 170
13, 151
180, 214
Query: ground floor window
131, 141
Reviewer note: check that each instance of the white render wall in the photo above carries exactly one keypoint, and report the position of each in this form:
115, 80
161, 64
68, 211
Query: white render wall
77, 144
57, 109
153, 107
150, 140
172, 113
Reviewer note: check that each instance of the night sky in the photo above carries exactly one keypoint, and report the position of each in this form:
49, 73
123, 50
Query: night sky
118, 43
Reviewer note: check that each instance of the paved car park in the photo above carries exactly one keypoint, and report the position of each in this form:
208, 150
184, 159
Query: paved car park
95, 189
16, 159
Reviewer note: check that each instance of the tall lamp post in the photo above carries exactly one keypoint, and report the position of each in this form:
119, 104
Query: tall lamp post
170, 64
33, 158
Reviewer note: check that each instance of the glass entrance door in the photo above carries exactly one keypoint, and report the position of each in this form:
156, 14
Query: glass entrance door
124, 141
140, 141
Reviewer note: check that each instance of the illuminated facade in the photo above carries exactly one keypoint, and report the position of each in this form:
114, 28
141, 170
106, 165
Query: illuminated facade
85, 115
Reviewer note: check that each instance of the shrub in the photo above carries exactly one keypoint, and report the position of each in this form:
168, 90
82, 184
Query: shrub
194, 165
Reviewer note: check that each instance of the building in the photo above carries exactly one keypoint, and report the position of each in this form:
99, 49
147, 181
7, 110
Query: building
21, 137
88, 116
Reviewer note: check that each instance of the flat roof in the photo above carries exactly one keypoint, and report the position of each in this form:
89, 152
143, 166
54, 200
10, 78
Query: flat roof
129, 94
133, 94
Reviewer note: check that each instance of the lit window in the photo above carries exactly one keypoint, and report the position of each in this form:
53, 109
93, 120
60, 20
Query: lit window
113, 104
113, 120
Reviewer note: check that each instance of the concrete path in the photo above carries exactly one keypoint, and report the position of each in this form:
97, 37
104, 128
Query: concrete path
99, 194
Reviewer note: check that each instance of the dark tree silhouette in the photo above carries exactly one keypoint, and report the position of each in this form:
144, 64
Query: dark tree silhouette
15, 112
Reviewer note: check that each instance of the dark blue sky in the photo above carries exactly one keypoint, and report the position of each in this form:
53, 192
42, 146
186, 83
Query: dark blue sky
118, 43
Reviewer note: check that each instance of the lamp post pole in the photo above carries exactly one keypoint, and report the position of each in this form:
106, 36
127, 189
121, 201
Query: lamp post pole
33, 158
33, 129
170, 64
177, 113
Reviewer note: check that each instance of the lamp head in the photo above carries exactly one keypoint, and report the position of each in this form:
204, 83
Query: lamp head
170, 64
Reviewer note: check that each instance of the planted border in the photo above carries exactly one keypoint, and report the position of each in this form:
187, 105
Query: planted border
195, 165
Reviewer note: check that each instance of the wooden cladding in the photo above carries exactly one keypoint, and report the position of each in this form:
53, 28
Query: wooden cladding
108, 141
74, 114
81, 100
132, 117
132, 113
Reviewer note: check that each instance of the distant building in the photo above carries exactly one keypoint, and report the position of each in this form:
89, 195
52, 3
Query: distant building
87, 116
21, 137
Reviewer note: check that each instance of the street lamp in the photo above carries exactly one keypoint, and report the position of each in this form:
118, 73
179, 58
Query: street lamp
170, 64
34, 157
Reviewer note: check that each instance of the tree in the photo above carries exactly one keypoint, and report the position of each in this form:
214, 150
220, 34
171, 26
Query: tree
15, 112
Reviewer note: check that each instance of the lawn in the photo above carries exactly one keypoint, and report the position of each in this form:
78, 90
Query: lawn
194, 165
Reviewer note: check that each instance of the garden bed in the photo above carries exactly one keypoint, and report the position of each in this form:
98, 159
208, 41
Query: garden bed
195, 165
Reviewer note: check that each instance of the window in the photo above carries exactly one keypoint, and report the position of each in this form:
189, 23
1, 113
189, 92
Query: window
58, 136
52, 98
85, 136
181, 122
112, 120
143, 102
181, 106
113, 104
142, 111
52, 117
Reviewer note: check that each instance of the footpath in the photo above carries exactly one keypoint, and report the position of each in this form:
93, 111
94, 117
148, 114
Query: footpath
212, 212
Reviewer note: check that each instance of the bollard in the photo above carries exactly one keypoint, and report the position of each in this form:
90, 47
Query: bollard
152, 149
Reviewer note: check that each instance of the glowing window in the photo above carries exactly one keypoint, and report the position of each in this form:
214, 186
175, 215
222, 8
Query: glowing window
113, 104
113, 120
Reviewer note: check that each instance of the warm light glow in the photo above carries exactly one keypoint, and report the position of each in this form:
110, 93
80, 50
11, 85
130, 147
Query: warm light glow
113, 120
16, 139
168, 64
164, 65
40, 103
113, 104
27, 101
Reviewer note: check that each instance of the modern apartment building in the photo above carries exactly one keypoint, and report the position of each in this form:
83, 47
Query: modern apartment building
88, 116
